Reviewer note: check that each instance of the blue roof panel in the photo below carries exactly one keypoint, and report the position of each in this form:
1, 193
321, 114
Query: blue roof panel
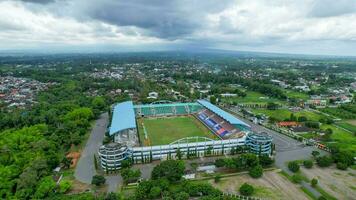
223, 114
123, 117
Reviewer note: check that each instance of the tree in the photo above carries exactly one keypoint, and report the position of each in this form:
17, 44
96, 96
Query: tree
341, 166
173, 170
324, 161
308, 164
130, 175
67, 162
213, 99
246, 189
181, 196
45, 187
65, 186
179, 154
343, 157
296, 178
98, 180
220, 162
314, 182
217, 178
126, 163
265, 160
272, 106
315, 153
155, 192
256, 172
302, 119
293, 166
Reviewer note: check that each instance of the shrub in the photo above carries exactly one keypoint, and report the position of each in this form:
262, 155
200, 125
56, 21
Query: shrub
256, 172
98, 180
293, 166
155, 192
314, 182
173, 170
344, 157
341, 166
308, 164
315, 153
217, 178
265, 160
296, 178
181, 196
220, 162
324, 161
246, 189
64, 186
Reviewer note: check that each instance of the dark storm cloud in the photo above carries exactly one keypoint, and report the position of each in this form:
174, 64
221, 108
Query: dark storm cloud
164, 19
330, 8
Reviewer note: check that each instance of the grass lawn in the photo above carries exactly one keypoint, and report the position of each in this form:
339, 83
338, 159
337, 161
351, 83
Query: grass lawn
252, 98
166, 130
347, 126
344, 139
282, 114
296, 95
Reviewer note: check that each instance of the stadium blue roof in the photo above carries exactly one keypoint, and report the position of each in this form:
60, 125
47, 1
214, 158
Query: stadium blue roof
223, 114
123, 117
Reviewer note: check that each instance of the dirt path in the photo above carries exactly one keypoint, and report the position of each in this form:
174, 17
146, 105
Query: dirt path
272, 186
340, 184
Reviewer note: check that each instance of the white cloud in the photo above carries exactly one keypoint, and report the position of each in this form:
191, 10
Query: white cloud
305, 26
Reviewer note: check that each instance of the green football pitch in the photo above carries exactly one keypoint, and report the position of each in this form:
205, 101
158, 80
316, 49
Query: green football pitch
169, 129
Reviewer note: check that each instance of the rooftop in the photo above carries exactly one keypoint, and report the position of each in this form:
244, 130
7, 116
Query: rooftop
123, 117
223, 114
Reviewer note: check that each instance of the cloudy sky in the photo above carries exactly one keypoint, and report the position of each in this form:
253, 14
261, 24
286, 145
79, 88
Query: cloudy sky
285, 26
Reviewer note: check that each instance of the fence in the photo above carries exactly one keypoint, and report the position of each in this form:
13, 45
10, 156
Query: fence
242, 197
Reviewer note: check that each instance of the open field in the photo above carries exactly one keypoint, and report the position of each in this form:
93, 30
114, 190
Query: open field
348, 126
169, 129
282, 114
252, 98
296, 95
346, 141
338, 183
270, 186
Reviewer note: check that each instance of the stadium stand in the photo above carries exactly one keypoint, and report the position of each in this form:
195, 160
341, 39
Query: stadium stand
167, 109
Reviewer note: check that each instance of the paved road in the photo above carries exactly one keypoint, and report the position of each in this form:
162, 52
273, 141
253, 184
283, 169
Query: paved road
85, 169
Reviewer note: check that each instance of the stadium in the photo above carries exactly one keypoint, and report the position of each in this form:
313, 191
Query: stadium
157, 131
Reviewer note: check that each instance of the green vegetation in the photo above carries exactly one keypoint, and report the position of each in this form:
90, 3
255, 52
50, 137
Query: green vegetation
324, 161
256, 171
293, 166
166, 130
308, 164
347, 126
251, 98
246, 189
98, 180
172, 170
283, 114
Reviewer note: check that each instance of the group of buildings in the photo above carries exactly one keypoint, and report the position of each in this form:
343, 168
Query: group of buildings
19, 92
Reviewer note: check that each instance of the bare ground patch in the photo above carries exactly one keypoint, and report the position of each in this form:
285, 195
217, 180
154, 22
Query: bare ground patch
272, 186
338, 183
353, 122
